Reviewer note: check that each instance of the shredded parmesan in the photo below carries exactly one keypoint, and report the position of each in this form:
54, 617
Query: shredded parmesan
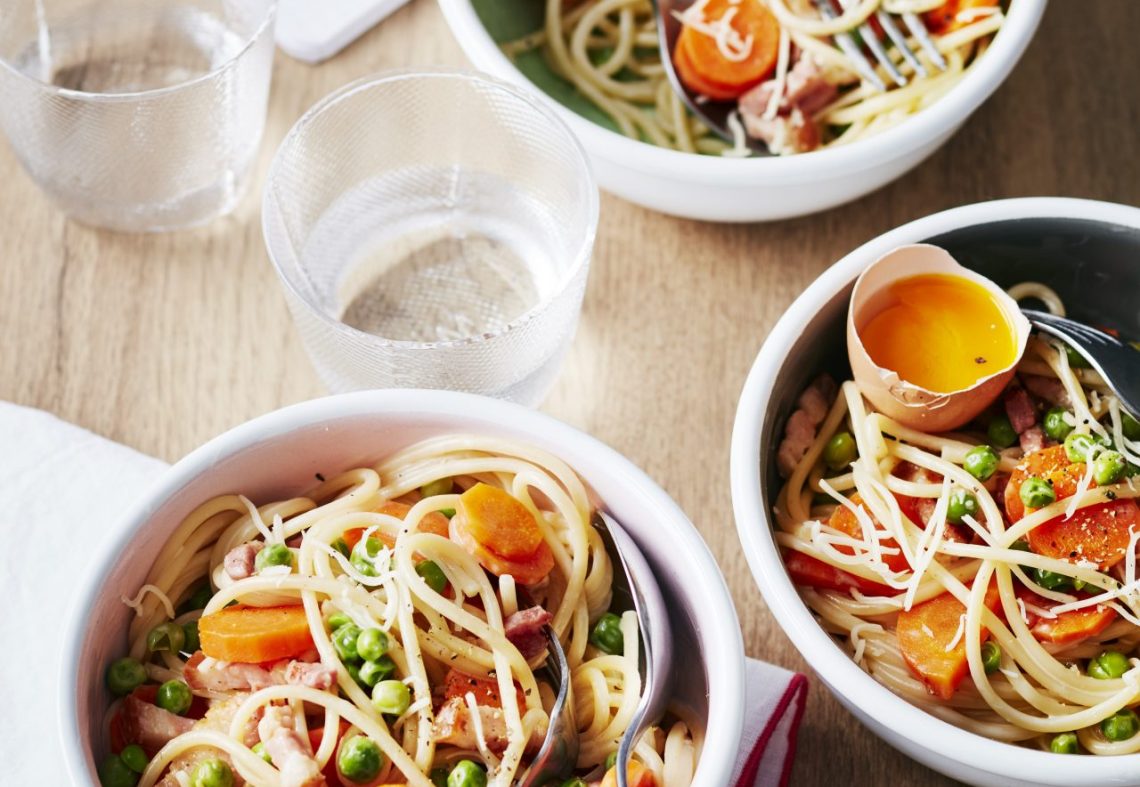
732, 45
255, 517
477, 726
961, 630
739, 147
781, 84
1024, 614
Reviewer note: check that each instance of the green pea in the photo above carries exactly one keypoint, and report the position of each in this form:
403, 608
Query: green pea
1000, 432
1120, 726
1036, 493
174, 696
353, 671
574, 782
340, 545
611, 760
438, 777
337, 620
1078, 445
962, 504
991, 657
1051, 580
371, 644
1021, 545
981, 462
344, 642
197, 600
273, 555
440, 486
190, 639
1057, 425
166, 636
360, 759
447, 512
113, 772
125, 675
1108, 665
391, 696
364, 556
432, 574
1064, 743
467, 773
134, 757
212, 773
1130, 426
260, 750
1109, 467
606, 635
840, 451
1076, 360
372, 672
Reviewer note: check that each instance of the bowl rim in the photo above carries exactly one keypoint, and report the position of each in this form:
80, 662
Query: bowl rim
835, 668
724, 664
935, 121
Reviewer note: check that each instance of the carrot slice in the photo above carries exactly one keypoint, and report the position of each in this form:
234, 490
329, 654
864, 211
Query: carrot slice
810, 571
1049, 464
253, 635
435, 523
925, 632
527, 571
1067, 628
1098, 533
499, 522
844, 519
944, 19
636, 775
704, 60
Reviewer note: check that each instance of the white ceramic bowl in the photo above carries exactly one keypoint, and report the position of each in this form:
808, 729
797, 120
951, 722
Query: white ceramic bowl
1056, 235
762, 189
278, 454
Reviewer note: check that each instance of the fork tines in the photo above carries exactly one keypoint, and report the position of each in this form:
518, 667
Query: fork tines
866, 69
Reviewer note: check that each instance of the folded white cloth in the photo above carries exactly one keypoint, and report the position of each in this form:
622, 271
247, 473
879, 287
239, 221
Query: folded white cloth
64, 489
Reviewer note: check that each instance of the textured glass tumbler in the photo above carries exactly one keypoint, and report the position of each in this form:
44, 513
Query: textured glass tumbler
136, 115
433, 230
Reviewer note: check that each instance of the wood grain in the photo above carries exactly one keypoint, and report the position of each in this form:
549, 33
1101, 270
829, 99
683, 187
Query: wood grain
163, 341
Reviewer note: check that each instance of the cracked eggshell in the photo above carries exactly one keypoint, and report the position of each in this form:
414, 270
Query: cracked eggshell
912, 405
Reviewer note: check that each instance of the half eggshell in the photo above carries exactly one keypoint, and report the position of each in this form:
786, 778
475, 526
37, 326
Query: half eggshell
909, 404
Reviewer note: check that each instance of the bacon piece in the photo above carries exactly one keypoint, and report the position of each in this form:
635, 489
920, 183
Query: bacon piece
784, 134
149, 725
314, 675
218, 717
802, 426
238, 562
1032, 439
206, 674
525, 630
1019, 408
453, 727
1049, 389
290, 753
805, 88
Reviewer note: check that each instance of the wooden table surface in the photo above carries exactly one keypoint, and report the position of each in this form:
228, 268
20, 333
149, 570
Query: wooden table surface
162, 342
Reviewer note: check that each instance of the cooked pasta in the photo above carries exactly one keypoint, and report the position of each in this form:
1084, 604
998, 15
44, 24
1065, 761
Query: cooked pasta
934, 559
400, 605
608, 49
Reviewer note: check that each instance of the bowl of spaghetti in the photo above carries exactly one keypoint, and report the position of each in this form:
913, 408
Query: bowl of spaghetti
597, 61
358, 589
969, 595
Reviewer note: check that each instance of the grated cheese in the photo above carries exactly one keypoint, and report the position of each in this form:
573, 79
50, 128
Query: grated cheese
927, 631
739, 147
1084, 484
1024, 614
477, 726
778, 89
961, 630
255, 517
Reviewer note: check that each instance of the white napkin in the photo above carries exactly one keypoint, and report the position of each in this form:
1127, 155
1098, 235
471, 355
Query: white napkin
63, 489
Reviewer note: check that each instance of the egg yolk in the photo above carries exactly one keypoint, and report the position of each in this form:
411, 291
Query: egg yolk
940, 332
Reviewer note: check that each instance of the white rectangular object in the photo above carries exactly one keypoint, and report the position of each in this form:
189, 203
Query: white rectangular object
314, 30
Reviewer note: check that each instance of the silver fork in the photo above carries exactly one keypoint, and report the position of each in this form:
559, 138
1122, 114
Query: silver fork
1118, 363
851, 47
559, 753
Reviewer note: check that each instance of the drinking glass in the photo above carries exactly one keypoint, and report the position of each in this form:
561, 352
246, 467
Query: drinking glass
433, 229
136, 115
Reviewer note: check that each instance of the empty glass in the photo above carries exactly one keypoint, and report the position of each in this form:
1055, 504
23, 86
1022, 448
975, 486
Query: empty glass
433, 230
136, 114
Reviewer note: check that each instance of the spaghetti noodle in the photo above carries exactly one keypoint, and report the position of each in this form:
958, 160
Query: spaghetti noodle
1033, 603
608, 50
406, 599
